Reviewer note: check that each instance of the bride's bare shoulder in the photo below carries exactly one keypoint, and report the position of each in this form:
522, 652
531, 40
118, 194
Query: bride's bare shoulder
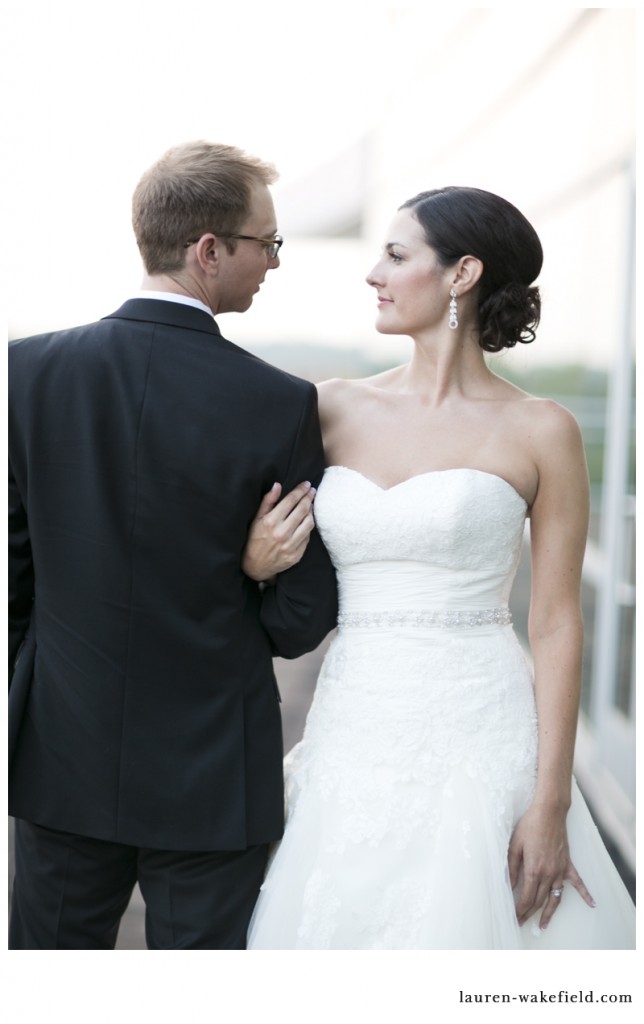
338, 393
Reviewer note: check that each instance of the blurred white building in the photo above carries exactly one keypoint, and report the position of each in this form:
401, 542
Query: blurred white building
538, 108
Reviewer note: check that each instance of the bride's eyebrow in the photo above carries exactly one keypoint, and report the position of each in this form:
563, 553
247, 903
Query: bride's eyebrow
395, 245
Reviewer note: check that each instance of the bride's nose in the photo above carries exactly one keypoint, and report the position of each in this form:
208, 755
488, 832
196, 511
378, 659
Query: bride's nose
373, 278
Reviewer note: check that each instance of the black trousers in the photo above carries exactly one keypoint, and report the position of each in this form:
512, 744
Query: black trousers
70, 892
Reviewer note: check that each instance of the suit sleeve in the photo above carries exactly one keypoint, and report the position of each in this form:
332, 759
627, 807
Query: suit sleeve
302, 607
21, 573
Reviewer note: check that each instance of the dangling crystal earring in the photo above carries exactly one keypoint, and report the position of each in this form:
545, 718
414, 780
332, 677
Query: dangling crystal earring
453, 314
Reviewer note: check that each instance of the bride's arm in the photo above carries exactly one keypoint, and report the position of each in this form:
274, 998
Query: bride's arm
559, 523
280, 531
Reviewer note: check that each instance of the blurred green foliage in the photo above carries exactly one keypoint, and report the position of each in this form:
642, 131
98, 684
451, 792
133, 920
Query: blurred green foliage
583, 390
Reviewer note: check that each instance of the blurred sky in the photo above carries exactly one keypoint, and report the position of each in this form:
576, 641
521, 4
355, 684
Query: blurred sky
99, 90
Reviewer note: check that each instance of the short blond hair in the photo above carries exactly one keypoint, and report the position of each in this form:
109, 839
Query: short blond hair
193, 188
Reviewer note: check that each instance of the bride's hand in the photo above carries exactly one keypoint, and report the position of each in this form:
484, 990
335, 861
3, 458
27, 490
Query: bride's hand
279, 532
538, 855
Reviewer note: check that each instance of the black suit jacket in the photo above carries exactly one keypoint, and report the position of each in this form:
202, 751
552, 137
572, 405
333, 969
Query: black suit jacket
140, 449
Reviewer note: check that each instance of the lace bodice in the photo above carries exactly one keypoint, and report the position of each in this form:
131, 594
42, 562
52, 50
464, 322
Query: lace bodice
440, 541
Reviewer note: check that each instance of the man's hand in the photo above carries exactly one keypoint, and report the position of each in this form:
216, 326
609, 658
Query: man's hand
279, 532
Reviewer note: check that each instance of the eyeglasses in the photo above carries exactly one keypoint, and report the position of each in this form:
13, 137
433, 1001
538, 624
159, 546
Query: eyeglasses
272, 245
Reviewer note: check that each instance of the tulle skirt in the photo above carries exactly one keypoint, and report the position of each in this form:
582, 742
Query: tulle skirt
414, 768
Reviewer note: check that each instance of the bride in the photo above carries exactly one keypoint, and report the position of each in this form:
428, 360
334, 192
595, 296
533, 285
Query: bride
431, 803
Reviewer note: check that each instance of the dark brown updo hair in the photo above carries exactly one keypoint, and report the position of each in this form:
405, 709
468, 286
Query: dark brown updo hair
471, 222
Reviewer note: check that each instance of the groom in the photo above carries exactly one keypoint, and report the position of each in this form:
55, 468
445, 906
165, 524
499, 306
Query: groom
143, 706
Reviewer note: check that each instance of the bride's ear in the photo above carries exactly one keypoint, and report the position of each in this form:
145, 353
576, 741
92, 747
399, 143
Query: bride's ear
467, 274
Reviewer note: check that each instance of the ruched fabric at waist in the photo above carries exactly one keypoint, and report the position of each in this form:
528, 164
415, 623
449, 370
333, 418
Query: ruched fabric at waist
387, 587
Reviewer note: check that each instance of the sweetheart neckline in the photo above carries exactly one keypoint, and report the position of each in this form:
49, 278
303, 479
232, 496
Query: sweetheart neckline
430, 472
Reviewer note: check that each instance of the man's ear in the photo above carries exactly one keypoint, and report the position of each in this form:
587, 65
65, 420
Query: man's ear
206, 252
467, 273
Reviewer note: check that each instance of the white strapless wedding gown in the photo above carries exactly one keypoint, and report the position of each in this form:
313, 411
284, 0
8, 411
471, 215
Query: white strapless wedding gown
419, 752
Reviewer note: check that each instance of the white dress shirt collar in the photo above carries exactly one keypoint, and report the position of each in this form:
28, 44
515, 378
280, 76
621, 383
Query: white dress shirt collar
185, 300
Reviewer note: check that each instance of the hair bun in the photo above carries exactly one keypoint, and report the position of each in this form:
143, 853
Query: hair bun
509, 314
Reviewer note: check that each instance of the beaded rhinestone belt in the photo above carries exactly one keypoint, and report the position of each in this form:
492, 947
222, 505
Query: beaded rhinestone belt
442, 620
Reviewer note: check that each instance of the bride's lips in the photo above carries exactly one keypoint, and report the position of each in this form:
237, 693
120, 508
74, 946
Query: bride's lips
384, 302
